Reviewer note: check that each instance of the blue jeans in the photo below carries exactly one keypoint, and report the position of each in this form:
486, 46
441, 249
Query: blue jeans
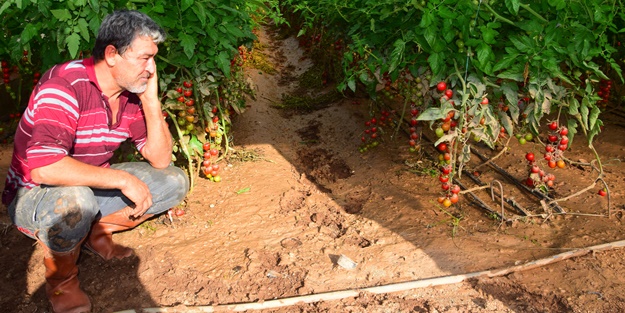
62, 216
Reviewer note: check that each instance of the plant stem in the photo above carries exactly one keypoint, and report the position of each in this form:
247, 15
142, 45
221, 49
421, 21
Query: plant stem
497, 16
185, 150
529, 9
590, 145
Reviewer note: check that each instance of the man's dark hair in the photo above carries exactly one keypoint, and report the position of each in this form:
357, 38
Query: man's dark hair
121, 27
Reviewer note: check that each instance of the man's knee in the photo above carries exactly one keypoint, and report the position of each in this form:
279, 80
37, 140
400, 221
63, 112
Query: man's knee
178, 182
66, 218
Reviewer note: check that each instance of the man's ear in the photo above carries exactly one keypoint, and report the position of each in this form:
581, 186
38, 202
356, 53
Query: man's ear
110, 52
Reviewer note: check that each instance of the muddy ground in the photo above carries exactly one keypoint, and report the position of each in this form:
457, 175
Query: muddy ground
299, 194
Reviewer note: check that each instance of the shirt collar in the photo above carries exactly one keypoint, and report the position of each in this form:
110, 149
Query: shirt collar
89, 64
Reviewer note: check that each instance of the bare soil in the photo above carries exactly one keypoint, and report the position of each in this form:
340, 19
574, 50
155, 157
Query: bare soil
299, 195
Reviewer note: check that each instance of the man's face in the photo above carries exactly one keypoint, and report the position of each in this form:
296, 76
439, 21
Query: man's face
136, 65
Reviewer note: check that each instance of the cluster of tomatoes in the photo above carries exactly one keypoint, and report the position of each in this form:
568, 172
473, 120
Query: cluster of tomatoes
604, 91
210, 168
241, 58
373, 129
6, 72
451, 191
414, 136
188, 117
536, 175
557, 143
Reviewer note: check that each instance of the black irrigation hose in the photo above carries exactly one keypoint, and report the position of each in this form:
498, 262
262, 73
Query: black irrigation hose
475, 199
554, 206
478, 202
515, 205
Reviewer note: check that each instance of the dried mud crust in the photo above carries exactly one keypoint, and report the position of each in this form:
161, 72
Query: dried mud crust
277, 224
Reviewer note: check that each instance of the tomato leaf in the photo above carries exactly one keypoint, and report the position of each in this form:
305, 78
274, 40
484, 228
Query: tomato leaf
510, 91
427, 19
185, 4
62, 15
351, 83
484, 53
188, 43
514, 73
73, 43
200, 13
489, 34
4, 6
84, 29
584, 110
521, 43
431, 114
513, 6
223, 62
593, 117
595, 68
397, 54
573, 106
594, 131
506, 122
449, 137
572, 127
506, 61
558, 4
28, 33
196, 146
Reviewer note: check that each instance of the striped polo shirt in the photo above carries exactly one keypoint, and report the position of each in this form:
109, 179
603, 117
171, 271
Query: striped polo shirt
68, 115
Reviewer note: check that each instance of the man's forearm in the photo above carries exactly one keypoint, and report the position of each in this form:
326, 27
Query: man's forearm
70, 172
158, 147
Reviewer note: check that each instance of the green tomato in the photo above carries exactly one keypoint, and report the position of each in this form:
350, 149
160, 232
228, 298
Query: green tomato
522, 141
529, 137
440, 132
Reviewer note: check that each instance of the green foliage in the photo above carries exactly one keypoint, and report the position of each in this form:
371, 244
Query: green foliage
551, 52
202, 35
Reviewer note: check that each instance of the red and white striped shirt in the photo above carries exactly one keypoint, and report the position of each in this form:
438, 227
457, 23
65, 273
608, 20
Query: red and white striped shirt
68, 115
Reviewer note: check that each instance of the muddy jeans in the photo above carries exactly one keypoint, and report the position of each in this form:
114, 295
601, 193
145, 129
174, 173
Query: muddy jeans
62, 216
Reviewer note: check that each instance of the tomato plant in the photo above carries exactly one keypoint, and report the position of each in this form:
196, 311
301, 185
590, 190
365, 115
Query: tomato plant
508, 64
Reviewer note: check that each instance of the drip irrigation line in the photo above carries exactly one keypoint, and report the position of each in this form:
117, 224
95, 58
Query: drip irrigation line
513, 204
477, 201
395, 287
553, 205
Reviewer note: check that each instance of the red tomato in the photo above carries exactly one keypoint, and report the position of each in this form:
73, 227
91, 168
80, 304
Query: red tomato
455, 189
454, 198
442, 86
553, 125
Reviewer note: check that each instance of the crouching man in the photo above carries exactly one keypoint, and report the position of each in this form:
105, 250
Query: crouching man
61, 189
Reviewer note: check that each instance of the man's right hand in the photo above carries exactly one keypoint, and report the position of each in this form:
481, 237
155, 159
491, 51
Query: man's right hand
139, 193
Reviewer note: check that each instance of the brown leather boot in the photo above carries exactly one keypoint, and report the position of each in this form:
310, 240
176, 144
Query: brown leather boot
62, 285
100, 240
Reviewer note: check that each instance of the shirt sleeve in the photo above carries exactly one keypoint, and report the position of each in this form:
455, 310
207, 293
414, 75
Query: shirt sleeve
53, 118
